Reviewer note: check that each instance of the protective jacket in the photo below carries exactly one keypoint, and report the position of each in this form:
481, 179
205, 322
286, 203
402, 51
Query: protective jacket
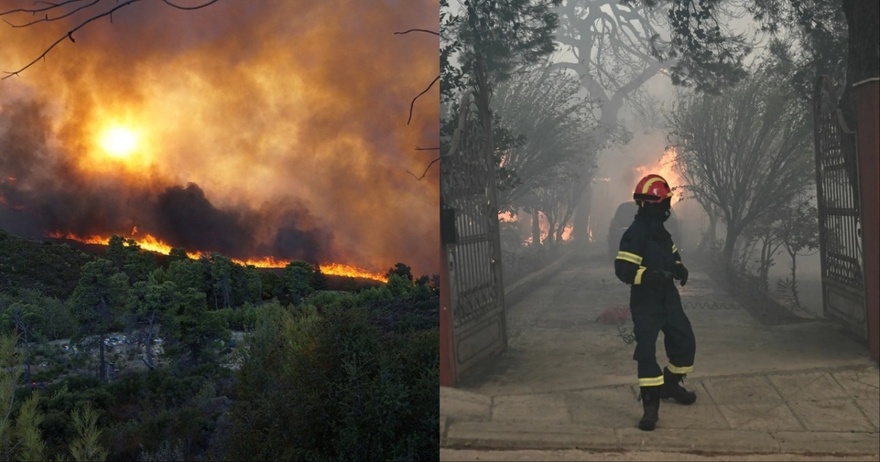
645, 245
655, 304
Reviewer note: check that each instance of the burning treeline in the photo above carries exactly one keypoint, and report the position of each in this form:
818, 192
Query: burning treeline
150, 243
265, 131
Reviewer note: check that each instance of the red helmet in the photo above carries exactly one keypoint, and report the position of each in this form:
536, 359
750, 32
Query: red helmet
652, 189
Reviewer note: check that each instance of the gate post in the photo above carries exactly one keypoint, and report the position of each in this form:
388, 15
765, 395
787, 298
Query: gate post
447, 360
868, 111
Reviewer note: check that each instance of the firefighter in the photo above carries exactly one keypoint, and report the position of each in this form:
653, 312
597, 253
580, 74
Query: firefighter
649, 262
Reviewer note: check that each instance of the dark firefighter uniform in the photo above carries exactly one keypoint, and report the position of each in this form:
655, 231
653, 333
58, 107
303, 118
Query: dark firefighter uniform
649, 261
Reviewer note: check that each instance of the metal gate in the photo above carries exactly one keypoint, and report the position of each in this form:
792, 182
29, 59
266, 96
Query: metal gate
471, 243
843, 277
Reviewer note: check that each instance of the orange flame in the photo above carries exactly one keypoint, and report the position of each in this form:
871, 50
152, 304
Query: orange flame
150, 243
506, 217
665, 167
339, 269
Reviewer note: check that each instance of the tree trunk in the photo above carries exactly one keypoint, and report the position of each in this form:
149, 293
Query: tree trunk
581, 223
536, 227
729, 246
102, 372
149, 360
794, 291
766, 262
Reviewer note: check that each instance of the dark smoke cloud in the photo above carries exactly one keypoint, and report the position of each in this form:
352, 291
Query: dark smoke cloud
271, 129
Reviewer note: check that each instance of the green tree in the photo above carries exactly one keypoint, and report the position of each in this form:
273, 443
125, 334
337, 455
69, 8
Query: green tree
798, 231
11, 366
319, 279
129, 258
498, 35
188, 274
177, 254
99, 301
402, 270
151, 305
488, 41
199, 331
710, 55
330, 386
298, 277
24, 316
86, 447
221, 281
27, 426
47, 317
20, 436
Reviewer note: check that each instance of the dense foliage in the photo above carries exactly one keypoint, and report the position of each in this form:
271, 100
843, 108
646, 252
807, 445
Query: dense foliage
209, 360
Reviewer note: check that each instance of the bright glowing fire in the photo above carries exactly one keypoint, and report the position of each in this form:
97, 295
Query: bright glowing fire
665, 167
507, 217
150, 243
119, 141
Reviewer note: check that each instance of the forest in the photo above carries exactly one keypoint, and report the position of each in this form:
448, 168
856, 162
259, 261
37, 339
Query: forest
125, 354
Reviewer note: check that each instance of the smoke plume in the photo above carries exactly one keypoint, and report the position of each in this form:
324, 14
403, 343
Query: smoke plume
263, 129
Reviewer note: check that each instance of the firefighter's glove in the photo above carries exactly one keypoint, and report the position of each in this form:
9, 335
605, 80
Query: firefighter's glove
656, 278
681, 273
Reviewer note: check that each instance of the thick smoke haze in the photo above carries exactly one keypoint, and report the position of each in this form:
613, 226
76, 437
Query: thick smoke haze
264, 129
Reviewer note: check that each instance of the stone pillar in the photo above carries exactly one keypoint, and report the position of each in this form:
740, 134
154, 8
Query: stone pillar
867, 96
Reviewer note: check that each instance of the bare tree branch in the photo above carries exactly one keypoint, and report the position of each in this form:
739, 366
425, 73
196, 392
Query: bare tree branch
169, 3
427, 149
413, 102
418, 30
56, 18
419, 178
51, 6
69, 34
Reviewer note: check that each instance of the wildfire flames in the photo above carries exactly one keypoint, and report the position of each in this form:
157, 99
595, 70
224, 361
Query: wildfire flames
525, 227
148, 242
666, 168
274, 129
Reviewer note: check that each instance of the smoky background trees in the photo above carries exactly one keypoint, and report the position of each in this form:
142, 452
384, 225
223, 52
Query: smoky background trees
746, 153
553, 150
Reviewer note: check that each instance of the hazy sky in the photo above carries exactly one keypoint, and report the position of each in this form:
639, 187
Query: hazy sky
272, 128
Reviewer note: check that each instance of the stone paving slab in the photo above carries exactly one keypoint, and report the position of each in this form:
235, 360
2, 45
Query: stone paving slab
539, 409
487, 435
761, 417
831, 415
808, 386
742, 390
700, 415
611, 406
739, 441
871, 408
860, 383
508, 436
646, 455
829, 442
464, 405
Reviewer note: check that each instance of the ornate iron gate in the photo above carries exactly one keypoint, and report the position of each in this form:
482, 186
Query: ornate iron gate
843, 277
471, 243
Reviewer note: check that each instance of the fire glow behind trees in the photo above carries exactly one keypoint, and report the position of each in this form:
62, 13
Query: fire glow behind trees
254, 129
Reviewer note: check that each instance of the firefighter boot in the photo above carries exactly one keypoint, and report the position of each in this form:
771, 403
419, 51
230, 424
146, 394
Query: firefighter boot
650, 397
672, 388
